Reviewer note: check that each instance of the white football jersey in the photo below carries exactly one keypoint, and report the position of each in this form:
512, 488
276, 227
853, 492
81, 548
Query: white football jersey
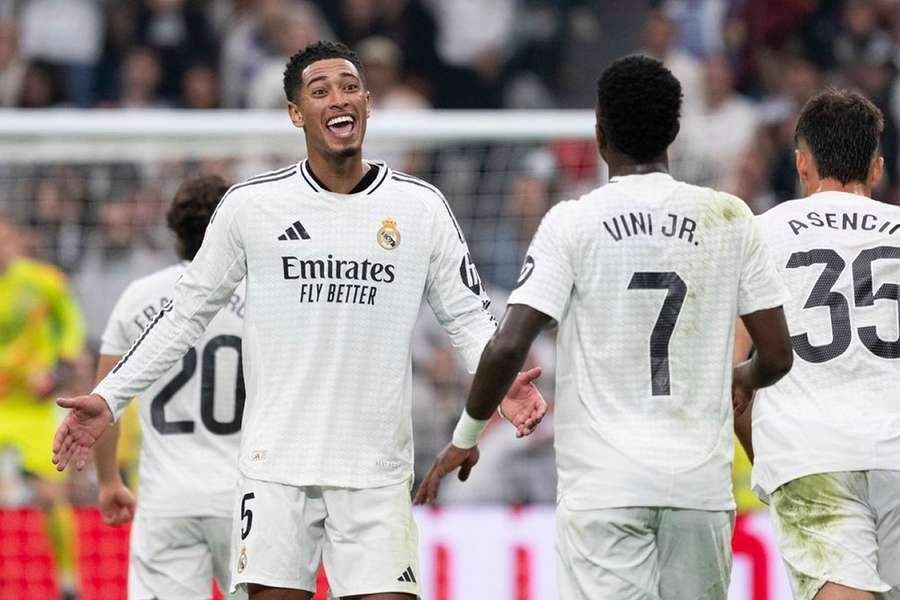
191, 416
838, 408
334, 285
646, 277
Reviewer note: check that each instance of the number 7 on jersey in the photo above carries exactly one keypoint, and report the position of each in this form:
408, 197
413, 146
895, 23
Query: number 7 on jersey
665, 323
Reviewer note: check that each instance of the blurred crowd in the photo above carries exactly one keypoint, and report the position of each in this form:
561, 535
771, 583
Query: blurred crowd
746, 66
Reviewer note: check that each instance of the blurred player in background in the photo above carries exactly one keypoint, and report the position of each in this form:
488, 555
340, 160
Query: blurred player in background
645, 277
826, 438
339, 254
41, 330
190, 424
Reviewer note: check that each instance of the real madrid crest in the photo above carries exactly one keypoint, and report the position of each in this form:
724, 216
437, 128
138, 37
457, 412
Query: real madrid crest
388, 237
242, 560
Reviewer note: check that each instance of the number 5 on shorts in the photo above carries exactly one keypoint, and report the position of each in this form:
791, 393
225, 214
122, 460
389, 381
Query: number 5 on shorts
247, 514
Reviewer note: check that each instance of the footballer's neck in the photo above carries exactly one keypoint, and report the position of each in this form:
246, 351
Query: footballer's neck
860, 188
340, 174
620, 165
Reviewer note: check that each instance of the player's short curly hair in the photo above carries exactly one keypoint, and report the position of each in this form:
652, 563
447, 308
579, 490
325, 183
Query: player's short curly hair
321, 50
638, 106
195, 202
842, 129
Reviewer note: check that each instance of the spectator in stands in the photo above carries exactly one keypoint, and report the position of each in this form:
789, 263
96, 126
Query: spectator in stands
12, 67
473, 40
247, 42
531, 194
660, 41
750, 182
140, 77
383, 62
200, 87
58, 220
412, 27
116, 254
42, 86
357, 20
861, 41
256, 44
299, 25
799, 80
49, 34
714, 137
180, 34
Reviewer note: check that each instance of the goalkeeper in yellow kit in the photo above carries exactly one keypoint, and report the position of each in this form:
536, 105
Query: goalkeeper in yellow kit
41, 328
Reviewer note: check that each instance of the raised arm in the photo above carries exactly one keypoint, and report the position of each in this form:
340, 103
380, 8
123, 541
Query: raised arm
115, 500
204, 288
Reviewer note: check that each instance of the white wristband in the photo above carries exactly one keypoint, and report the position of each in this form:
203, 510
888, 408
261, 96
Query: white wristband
468, 430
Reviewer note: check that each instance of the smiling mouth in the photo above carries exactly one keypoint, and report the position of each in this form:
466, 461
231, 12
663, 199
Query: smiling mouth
341, 126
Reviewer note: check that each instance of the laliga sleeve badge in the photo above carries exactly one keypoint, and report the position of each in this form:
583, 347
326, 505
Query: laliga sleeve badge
242, 560
388, 237
527, 270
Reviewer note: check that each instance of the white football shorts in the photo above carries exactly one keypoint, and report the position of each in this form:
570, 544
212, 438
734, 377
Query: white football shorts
643, 553
842, 527
366, 539
178, 557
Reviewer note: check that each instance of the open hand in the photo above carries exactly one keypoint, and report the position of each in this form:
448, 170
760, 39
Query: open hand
88, 418
446, 462
523, 405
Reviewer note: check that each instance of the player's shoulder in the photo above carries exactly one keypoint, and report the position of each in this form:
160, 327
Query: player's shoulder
720, 203
152, 285
568, 212
781, 211
262, 184
418, 188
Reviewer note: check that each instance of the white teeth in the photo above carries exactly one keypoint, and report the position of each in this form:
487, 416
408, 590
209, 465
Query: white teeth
339, 120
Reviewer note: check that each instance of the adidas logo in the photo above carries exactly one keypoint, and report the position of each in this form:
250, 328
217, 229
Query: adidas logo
294, 232
407, 576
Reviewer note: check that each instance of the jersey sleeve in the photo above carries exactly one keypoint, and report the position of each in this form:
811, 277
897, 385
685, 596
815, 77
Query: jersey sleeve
455, 292
203, 289
115, 340
548, 274
761, 285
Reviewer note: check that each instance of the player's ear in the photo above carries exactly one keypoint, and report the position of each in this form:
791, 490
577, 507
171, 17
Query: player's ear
601, 137
876, 172
295, 115
801, 160
368, 104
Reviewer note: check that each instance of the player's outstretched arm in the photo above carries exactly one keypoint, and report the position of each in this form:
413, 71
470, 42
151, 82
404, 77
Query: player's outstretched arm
500, 362
115, 501
88, 418
773, 358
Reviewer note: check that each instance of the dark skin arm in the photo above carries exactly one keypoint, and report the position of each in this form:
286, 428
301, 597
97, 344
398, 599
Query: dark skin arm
500, 362
767, 332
